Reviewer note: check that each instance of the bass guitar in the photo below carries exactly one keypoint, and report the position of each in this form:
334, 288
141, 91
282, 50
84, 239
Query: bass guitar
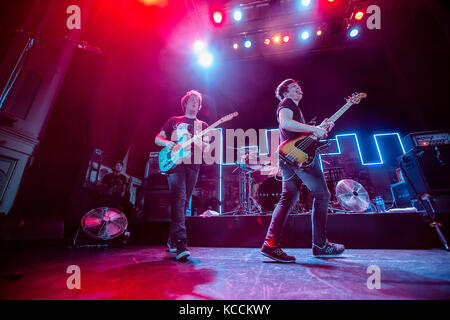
302, 150
168, 159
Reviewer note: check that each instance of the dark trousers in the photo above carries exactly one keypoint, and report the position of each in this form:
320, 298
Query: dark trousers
314, 180
181, 185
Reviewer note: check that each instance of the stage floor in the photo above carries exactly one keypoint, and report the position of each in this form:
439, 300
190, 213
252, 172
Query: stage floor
138, 272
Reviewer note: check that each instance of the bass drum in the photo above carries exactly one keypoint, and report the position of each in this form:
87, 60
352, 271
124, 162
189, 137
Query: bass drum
269, 194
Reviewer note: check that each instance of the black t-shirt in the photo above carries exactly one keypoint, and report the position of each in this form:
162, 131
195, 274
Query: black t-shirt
297, 115
177, 127
115, 184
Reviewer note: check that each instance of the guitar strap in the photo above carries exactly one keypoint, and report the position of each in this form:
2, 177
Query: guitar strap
302, 118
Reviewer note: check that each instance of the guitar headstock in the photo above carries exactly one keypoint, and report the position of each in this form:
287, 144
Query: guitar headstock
356, 97
229, 117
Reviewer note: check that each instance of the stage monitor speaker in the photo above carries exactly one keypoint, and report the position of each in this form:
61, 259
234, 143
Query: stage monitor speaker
156, 205
427, 170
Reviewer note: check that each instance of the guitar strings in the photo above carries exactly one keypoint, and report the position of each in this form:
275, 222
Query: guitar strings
303, 144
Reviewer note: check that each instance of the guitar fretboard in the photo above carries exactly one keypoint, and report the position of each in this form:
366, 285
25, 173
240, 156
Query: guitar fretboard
201, 133
340, 112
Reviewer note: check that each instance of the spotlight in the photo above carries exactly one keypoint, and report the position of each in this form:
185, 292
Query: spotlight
217, 17
304, 35
305, 3
277, 38
267, 41
205, 59
237, 15
247, 44
235, 46
359, 15
354, 32
199, 46
286, 38
319, 32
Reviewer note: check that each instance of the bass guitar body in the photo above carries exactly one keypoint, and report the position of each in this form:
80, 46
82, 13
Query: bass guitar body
301, 151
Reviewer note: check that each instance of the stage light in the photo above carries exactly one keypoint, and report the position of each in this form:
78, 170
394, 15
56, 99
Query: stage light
247, 44
359, 15
354, 32
217, 17
305, 3
205, 59
277, 38
235, 46
319, 32
304, 35
267, 41
286, 39
237, 15
199, 46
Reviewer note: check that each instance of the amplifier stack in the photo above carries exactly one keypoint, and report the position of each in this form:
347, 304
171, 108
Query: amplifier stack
426, 164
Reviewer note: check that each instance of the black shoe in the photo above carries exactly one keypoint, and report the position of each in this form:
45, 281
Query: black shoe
182, 251
276, 254
171, 248
328, 250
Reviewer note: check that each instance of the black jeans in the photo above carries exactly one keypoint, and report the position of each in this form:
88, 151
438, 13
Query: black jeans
181, 185
314, 180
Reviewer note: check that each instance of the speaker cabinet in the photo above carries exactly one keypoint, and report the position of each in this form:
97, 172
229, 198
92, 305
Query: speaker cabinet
427, 170
156, 205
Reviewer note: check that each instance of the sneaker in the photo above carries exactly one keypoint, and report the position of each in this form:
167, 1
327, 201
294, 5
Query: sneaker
182, 251
328, 250
170, 247
276, 254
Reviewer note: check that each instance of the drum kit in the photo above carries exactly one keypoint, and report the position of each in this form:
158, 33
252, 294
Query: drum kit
260, 188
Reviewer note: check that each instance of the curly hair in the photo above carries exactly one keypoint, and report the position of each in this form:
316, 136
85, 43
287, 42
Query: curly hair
188, 95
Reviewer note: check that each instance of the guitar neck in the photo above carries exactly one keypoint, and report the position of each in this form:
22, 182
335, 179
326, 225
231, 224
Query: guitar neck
340, 112
203, 132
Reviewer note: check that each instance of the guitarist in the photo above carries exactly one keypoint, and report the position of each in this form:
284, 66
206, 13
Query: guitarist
183, 177
291, 124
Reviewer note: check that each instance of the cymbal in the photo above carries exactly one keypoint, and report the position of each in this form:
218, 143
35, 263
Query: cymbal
352, 196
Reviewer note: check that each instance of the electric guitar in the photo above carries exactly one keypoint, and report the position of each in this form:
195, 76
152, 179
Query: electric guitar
168, 159
302, 150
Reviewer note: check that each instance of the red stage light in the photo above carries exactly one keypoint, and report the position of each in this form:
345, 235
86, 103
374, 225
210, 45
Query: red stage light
217, 17
359, 15
267, 41
159, 3
286, 39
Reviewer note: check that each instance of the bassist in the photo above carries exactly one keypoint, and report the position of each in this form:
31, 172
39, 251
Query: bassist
291, 124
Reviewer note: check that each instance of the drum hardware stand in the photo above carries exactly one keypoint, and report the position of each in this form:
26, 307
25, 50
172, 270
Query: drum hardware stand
427, 203
247, 204
333, 175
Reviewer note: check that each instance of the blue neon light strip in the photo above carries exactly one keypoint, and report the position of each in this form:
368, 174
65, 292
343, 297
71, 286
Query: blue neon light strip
375, 137
220, 171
